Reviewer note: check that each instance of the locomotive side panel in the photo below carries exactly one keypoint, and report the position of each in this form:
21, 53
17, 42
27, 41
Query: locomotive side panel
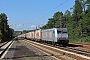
48, 35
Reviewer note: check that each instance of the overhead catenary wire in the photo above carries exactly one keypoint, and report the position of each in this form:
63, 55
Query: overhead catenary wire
53, 9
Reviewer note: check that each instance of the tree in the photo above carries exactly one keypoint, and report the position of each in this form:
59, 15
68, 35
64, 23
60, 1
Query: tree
10, 33
4, 28
87, 2
24, 31
86, 22
58, 17
77, 12
55, 21
3, 23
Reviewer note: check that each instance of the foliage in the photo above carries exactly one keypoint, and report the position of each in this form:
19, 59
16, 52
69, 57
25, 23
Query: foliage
24, 31
6, 33
78, 22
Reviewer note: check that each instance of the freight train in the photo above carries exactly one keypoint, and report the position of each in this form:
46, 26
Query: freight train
53, 35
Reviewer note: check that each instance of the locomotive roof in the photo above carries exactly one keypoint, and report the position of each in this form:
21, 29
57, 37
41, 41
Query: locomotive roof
60, 29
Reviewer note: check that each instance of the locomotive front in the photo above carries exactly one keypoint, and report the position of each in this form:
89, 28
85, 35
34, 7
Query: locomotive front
62, 36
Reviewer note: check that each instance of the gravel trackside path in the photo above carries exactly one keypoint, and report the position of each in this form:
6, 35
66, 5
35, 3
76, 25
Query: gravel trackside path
23, 51
35, 54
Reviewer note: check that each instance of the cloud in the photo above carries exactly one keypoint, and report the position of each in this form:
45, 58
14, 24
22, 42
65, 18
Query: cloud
19, 25
32, 26
15, 25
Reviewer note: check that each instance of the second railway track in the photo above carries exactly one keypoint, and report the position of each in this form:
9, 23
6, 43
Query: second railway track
4, 47
60, 53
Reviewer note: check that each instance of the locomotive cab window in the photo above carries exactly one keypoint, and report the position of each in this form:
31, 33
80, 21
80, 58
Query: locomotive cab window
58, 32
64, 32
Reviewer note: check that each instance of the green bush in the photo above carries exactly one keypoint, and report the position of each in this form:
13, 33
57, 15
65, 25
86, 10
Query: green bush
84, 40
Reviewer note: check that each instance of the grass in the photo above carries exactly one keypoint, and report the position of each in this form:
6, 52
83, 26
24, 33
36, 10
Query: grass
84, 40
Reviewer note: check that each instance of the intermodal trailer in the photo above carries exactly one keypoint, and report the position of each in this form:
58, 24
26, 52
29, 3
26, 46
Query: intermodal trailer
32, 35
38, 35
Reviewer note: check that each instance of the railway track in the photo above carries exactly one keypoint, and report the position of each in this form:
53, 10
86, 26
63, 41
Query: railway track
4, 47
62, 53
77, 50
2, 44
74, 48
84, 45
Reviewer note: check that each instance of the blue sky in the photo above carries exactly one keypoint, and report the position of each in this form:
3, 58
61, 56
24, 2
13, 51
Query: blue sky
26, 14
